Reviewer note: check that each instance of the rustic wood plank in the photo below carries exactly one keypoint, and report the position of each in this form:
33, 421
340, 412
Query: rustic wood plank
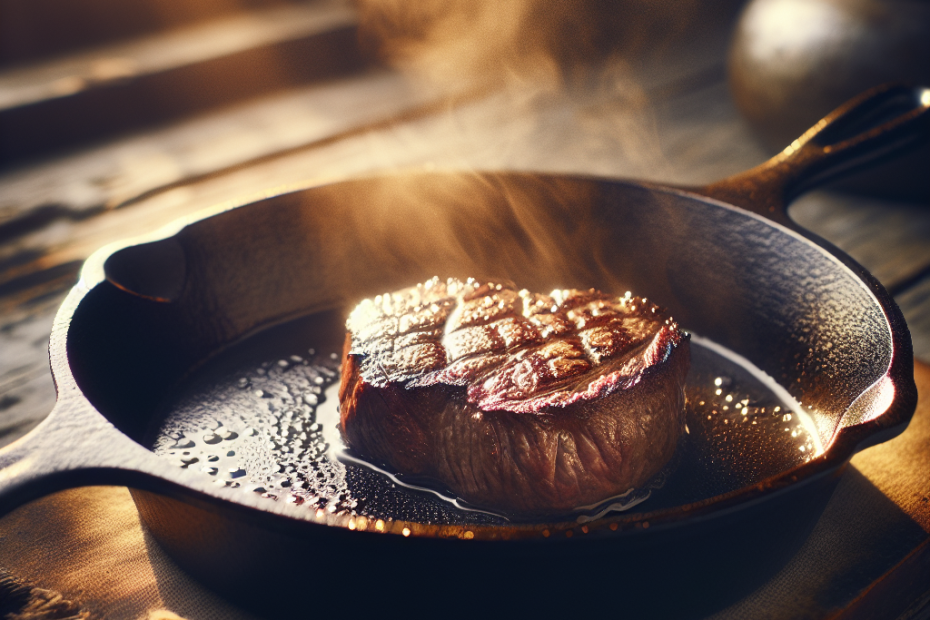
891, 239
27, 392
31, 29
915, 304
112, 173
100, 92
101, 178
26, 84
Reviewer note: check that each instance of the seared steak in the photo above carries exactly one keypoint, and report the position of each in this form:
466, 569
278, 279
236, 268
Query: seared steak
525, 403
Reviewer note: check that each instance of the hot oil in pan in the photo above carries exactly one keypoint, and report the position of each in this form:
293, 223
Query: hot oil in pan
261, 418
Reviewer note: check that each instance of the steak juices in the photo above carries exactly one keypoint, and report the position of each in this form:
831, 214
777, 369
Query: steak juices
524, 403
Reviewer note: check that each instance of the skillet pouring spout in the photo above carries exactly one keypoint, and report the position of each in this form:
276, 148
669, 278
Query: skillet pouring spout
725, 260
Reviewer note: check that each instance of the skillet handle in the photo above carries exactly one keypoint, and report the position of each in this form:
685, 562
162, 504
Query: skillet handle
877, 123
67, 449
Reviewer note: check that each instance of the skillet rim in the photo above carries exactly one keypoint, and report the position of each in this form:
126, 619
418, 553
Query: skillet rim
150, 473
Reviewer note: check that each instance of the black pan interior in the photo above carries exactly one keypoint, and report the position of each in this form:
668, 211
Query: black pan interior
756, 288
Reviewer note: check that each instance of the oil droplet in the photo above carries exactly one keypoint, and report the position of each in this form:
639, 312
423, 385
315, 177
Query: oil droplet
406, 532
469, 534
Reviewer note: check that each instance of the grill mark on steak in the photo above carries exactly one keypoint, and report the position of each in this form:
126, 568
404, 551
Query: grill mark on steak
531, 404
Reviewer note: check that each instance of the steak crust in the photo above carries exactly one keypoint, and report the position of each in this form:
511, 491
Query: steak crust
524, 403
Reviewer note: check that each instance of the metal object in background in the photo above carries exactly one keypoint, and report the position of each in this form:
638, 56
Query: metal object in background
792, 61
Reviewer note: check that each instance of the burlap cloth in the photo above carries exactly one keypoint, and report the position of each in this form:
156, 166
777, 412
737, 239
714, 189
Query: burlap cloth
84, 553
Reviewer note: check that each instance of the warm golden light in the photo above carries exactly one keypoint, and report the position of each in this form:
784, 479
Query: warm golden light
871, 404
532, 42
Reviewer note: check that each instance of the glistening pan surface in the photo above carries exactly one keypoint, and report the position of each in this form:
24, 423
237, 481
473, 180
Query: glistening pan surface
262, 416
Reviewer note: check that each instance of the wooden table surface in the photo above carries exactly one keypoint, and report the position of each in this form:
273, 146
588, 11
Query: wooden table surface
88, 155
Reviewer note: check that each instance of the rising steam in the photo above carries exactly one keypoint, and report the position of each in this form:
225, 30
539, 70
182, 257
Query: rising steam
542, 41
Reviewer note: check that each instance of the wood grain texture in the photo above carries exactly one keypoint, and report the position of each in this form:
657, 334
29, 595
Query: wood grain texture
915, 304
36, 29
103, 92
670, 122
889, 238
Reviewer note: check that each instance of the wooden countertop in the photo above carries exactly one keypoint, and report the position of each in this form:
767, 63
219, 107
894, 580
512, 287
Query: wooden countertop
668, 120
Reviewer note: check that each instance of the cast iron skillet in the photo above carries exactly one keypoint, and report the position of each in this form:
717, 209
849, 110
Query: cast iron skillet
725, 260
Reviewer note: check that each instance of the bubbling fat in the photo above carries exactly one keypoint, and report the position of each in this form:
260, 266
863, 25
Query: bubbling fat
524, 403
